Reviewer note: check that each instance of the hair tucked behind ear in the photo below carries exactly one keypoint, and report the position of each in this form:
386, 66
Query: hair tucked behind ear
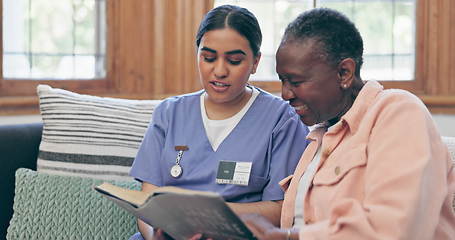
237, 18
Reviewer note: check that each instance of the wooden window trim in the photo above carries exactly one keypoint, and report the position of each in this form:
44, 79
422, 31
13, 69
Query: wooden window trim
147, 59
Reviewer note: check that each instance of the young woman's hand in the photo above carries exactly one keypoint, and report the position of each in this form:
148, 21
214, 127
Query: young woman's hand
159, 234
261, 228
199, 237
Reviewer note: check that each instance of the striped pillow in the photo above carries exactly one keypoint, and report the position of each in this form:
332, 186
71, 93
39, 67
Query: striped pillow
90, 136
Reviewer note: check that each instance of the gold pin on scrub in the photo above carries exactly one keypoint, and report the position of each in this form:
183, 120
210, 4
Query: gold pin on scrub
176, 170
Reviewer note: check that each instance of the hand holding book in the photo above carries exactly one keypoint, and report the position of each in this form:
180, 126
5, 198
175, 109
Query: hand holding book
179, 212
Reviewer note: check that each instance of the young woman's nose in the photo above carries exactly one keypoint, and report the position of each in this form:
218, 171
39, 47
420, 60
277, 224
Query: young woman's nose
221, 70
286, 91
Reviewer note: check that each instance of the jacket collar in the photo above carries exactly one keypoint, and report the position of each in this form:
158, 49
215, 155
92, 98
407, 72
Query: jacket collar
366, 96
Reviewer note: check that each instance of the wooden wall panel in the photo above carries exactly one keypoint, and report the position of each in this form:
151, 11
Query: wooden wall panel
422, 41
154, 54
133, 43
181, 22
432, 46
443, 54
165, 64
171, 48
158, 49
452, 48
435, 54
439, 74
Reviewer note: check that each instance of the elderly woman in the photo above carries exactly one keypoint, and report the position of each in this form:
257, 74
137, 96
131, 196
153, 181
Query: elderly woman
376, 167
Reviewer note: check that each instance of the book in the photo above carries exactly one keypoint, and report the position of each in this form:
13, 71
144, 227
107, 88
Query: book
181, 213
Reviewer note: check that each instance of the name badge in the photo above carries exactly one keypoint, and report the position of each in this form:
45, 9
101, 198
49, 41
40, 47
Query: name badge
230, 172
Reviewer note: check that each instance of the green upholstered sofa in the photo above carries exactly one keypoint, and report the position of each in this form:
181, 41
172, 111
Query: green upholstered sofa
58, 207
51, 206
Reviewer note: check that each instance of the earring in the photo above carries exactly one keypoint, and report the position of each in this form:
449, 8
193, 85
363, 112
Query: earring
344, 86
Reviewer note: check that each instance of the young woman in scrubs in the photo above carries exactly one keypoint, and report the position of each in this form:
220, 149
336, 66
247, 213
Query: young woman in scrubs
229, 138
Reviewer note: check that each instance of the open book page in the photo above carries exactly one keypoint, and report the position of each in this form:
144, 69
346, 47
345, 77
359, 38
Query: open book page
179, 212
138, 198
134, 197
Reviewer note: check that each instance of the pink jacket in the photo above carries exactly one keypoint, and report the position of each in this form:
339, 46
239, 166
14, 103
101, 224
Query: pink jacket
384, 174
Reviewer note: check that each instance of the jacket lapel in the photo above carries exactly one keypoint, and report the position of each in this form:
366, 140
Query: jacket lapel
288, 208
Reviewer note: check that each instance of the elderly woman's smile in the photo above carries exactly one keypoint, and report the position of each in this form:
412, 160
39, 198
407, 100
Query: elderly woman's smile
310, 83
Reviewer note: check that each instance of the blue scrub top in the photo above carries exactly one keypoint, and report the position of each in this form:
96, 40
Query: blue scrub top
270, 135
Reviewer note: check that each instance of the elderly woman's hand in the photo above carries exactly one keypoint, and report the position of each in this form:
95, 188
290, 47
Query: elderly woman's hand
261, 228
199, 236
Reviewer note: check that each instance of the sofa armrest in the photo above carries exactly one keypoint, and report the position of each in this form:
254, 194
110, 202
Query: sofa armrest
19, 146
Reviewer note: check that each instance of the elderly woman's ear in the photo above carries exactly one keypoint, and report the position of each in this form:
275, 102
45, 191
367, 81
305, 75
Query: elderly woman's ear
346, 72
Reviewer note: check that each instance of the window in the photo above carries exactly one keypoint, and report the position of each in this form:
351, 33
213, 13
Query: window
64, 44
388, 31
146, 59
143, 57
54, 39
387, 27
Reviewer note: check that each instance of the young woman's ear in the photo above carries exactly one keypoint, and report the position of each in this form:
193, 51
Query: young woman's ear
256, 63
346, 72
